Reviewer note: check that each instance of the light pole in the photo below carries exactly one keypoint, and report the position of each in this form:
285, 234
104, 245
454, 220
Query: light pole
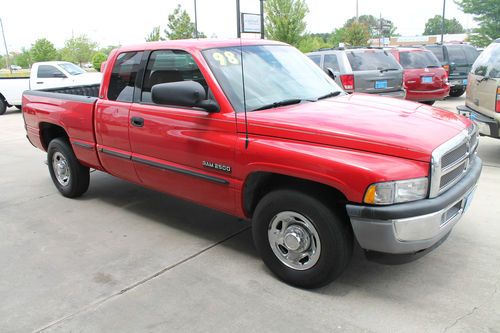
238, 23
6, 50
195, 21
442, 22
262, 19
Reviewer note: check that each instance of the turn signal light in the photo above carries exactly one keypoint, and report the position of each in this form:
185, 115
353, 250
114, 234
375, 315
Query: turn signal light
347, 81
447, 69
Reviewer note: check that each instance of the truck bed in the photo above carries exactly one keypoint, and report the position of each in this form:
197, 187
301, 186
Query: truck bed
72, 108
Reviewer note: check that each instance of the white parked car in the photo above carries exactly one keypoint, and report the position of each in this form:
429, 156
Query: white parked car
44, 75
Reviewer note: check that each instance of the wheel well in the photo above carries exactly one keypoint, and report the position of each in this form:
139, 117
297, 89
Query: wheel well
258, 184
49, 132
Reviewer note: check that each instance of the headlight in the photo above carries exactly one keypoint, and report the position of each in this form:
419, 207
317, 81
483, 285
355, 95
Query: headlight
398, 191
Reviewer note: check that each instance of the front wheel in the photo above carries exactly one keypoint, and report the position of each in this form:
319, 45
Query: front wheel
69, 176
301, 239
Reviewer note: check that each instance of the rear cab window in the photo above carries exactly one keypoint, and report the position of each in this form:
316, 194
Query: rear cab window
418, 59
366, 60
123, 76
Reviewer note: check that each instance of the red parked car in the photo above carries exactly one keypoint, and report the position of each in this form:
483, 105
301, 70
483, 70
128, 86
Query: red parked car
424, 79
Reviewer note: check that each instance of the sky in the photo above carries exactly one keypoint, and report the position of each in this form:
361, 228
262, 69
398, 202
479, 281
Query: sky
128, 22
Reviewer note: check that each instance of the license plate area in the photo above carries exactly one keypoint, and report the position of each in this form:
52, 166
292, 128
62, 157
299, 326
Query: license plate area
381, 84
427, 79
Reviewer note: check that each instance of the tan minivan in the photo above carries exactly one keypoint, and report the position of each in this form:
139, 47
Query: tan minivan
482, 102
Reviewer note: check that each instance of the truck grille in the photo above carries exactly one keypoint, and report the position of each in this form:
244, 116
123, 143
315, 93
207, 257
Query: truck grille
451, 160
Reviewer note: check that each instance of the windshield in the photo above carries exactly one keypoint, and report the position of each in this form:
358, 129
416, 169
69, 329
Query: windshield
71, 68
418, 59
371, 60
272, 74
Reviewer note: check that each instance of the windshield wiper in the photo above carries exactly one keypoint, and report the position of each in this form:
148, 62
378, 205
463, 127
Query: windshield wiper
331, 94
388, 69
280, 103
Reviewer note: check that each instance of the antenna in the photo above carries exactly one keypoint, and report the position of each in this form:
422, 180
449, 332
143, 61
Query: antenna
244, 94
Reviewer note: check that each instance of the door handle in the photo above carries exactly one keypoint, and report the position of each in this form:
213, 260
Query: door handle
137, 121
39, 82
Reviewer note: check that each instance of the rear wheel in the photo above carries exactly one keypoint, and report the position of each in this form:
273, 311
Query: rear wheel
69, 176
3, 107
301, 239
457, 92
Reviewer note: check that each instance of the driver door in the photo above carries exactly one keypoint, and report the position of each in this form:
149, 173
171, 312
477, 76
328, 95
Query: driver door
175, 149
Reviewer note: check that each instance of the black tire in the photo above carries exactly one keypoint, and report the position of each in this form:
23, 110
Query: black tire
457, 92
19, 107
79, 176
336, 238
3, 107
428, 102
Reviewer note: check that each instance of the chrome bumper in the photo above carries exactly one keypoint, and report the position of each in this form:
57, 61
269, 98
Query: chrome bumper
411, 227
487, 126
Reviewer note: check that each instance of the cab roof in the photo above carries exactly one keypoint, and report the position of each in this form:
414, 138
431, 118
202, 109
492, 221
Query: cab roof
197, 44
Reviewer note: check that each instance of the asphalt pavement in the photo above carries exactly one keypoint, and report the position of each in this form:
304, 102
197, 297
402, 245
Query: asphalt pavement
124, 258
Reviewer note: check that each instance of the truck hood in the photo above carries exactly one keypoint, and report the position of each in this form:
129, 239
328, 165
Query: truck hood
363, 122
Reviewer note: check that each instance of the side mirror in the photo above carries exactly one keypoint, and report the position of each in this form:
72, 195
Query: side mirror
330, 72
183, 93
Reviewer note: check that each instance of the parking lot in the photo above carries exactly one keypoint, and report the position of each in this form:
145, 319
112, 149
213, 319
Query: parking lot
124, 258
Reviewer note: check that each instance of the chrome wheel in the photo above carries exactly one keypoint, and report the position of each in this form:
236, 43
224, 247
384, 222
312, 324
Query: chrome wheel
61, 168
294, 240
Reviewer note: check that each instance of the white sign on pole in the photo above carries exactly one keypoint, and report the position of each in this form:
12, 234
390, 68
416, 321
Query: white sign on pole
250, 23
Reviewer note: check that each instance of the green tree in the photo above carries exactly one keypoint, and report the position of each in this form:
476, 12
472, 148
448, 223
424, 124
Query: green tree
43, 50
311, 43
154, 35
107, 50
451, 26
487, 14
23, 59
3, 62
285, 20
357, 34
179, 26
78, 49
98, 59
374, 25
337, 36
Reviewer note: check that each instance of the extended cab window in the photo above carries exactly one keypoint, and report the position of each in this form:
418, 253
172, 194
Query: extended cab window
170, 66
123, 76
48, 71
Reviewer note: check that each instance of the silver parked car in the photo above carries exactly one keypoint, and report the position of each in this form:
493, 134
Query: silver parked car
367, 70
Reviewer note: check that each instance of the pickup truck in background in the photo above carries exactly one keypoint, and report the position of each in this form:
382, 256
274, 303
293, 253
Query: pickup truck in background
44, 75
271, 139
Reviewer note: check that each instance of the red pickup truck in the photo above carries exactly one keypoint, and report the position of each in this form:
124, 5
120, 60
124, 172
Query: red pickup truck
258, 131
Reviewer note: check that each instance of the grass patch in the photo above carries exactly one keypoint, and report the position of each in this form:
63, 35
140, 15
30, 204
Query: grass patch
5, 73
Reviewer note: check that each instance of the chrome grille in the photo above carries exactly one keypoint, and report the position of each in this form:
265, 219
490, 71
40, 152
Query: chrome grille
455, 173
451, 160
454, 155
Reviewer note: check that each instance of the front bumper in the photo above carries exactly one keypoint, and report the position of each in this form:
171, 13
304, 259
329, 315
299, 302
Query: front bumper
414, 226
487, 126
458, 82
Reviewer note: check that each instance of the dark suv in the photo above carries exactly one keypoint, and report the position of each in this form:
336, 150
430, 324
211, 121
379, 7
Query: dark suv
457, 60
